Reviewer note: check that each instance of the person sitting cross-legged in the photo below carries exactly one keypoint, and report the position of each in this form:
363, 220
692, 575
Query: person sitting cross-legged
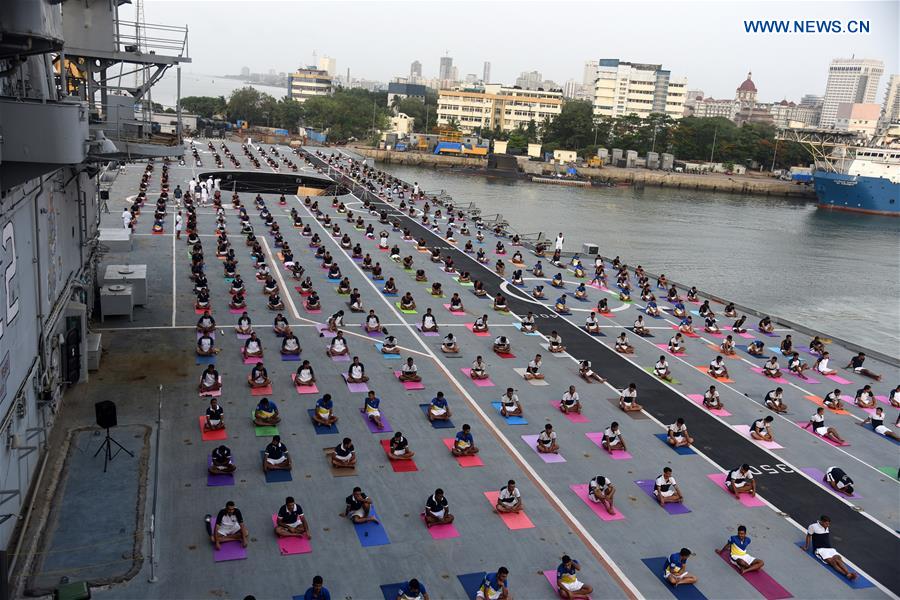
266, 413
229, 527
323, 414
568, 585
437, 511
464, 443
399, 448
439, 410
736, 548
276, 457
291, 522
221, 461
343, 456
214, 416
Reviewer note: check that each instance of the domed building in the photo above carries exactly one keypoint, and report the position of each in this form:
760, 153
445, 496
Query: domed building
748, 109
746, 92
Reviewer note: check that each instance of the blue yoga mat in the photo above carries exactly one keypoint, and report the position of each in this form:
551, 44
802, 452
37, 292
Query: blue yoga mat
448, 424
320, 429
471, 582
664, 438
379, 346
859, 583
206, 360
390, 591
682, 592
371, 534
510, 420
290, 358
276, 476
869, 427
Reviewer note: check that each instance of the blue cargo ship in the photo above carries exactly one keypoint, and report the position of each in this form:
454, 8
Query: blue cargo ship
870, 184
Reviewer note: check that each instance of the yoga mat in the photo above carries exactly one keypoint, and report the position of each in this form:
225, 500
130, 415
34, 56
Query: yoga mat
509, 420
391, 591
291, 545
718, 349
685, 333
838, 379
394, 294
261, 391
231, 550
278, 476
819, 477
205, 360
211, 436
426, 333
808, 379
355, 387
665, 348
518, 325
891, 472
479, 382
820, 402
372, 427
759, 371
531, 440
437, 424
290, 358
398, 465
563, 354
242, 336
868, 427
464, 461
682, 450
337, 471
454, 312
379, 346
581, 490
675, 508
705, 370
376, 333
657, 565
744, 430
550, 574
305, 389
234, 311
341, 358
512, 520
371, 534
572, 416
463, 283
478, 333
218, 480
405, 312
698, 400
323, 331
441, 532
801, 425
409, 385
761, 581
746, 499
320, 429
506, 355
637, 415
652, 372
312, 311
597, 438
264, 431
252, 360
537, 382
471, 583
857, 584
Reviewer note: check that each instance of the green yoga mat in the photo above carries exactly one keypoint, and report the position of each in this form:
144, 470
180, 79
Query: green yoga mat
673, 381
405, 312
267, 431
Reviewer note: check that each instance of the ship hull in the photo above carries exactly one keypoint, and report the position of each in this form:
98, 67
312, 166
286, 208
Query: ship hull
853, 193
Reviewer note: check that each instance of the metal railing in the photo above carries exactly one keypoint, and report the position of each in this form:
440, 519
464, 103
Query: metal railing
165, 40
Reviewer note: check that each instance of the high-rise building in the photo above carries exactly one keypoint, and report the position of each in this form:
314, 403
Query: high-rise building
486, 72
329, 64
245, 71
812, 101
309, 82
530, 80
890, 110
624, 88
853, 80
590, 73
415, 71
445, 73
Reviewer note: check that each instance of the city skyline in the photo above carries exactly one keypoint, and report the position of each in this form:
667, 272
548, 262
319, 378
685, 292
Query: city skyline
784, 65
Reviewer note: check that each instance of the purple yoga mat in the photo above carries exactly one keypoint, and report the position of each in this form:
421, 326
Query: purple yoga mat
762, 581
355, 387
371, 425
531, 440
341, 358
819, 477
217, 480
647, 486
229, 551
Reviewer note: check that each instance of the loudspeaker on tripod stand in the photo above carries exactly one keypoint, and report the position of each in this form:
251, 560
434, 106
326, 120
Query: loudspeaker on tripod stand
106, 414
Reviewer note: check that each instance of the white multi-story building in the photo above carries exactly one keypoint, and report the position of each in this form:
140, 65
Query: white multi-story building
624, 88
890, 110
590, 73
711, 107
857, 117
789, 114
308, 83
497, 106
853, 80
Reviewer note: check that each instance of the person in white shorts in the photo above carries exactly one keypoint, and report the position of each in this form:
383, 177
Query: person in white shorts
567, 582
736, 547
819, 534
877, 421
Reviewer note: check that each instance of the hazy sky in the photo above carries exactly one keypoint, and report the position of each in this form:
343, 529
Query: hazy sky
704, 41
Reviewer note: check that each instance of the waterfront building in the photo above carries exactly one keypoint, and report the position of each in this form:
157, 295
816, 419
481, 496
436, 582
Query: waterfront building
852, 80
890, 110
309, 83
623, 88
857, 117
495, 105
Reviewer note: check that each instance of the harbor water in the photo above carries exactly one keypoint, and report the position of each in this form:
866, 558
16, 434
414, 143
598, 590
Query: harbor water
835, 272
195, 84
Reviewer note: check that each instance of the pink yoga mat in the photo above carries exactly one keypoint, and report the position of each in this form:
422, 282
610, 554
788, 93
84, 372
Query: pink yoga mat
690, 335
665, 348
291, 545
355, 387
454, 312
744, 430
581, 490
762, 581
746, 499
513, 520
234, 311
746, 336
261, 391
759, 371
573, 417
531, 440
698, 400
838, 379
212, 394
550, 574
478, 333
479, 382
597, 437
801, 425
410, 385
252, 360
810, 380
464, 461
304, 389
242, 336
441, 532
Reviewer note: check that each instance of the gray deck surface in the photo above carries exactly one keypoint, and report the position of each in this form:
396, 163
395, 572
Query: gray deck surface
159, 344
